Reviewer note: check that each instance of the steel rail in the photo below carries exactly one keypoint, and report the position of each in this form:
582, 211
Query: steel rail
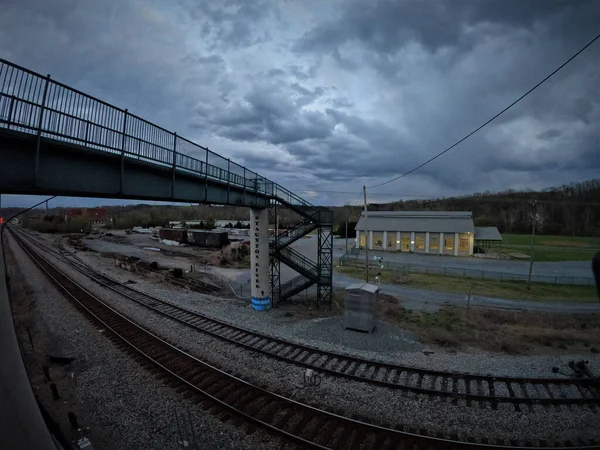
477, 388
312, 427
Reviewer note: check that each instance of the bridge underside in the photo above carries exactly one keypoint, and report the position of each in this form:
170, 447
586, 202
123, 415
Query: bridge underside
73, 170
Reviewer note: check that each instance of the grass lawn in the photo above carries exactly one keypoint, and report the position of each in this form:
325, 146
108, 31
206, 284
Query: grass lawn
512, 332
552, 248
491, 288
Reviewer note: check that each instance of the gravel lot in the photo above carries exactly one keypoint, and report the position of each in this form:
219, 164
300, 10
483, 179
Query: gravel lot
127, 406
381, 404
388, 343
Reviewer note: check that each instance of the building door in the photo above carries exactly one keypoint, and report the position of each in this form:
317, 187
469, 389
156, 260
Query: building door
391, 241
405, 243
363, 240
449, 244
378, 240
463, 244
434, 243
419, 242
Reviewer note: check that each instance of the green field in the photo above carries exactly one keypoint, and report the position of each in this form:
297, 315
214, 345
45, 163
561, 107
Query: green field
516, 290
552, 248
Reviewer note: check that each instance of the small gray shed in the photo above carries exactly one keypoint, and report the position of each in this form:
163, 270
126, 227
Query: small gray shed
360, 302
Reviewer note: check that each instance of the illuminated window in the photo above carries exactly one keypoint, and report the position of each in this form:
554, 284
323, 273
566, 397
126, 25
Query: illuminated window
420, 243
405, 243
434, 243
464, 244
448, 243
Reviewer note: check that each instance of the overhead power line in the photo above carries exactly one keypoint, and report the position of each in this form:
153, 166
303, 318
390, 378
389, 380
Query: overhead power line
490, 120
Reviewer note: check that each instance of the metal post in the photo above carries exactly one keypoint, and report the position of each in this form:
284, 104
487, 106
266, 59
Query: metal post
346, 235
174, 165
122, 152
469, 301
366, 235
228, 179
206, 176
244, 195
534, 218
10, 110
39, 132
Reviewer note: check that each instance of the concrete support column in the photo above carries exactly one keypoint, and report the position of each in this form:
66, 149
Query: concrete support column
412, 241
398, 240
471, 243
441, 243
427, 242
385, 242
456, 241
370, 240
259, 262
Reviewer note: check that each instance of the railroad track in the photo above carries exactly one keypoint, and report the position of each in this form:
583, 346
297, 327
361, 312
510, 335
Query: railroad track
233, 399
484, 390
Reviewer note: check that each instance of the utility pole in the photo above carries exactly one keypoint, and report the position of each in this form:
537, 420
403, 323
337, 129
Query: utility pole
346, 236
366, 236
534, 220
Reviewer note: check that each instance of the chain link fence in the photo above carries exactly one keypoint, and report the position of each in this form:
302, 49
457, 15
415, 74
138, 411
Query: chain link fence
407, 268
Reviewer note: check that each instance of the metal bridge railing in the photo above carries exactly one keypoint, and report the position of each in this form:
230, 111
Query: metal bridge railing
36, 104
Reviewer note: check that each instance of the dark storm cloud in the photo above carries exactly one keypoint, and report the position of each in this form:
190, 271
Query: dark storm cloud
230, 23
333, 95
385, 26
270, 113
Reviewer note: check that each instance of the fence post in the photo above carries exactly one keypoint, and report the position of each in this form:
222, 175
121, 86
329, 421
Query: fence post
244, 194
228, 178
10, 110
123, 153
174, 165
39, 132
206, 176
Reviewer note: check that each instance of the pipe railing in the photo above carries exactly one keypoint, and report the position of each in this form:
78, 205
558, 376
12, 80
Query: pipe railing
36, 104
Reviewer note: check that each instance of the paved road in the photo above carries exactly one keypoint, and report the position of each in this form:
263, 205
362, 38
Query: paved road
425, 300
552, 269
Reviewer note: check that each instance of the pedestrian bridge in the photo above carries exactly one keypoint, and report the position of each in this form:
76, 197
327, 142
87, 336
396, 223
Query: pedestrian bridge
56, 140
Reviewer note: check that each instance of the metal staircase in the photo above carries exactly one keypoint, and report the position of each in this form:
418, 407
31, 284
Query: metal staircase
310, 272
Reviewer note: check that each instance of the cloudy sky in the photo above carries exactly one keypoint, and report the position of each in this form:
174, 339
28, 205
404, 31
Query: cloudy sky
325, 96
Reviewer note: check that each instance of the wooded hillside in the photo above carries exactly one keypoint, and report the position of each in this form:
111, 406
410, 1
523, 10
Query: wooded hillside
572, 209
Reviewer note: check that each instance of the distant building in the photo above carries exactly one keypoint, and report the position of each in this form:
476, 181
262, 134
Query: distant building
231, 223
427, 232
96, 216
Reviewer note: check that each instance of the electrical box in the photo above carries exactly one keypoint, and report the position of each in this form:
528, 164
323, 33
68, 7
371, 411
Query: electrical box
84, 444
360, 304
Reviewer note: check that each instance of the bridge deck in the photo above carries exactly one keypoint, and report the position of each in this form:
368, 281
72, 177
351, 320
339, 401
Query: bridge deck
52, 135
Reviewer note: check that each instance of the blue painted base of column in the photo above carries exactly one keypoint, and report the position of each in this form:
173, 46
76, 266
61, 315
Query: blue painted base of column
261, 303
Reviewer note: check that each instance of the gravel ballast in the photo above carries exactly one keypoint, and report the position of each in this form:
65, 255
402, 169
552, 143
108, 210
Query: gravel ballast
130, 407
382, 404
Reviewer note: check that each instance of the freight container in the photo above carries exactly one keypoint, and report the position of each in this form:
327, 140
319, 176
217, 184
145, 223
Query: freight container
174, 234
204, 238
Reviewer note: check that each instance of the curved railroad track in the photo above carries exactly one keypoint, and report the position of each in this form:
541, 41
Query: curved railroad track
234, 399
485, 390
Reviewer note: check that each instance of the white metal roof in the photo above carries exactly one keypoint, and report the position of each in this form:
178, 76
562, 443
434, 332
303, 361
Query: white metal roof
418, 221
487, 234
